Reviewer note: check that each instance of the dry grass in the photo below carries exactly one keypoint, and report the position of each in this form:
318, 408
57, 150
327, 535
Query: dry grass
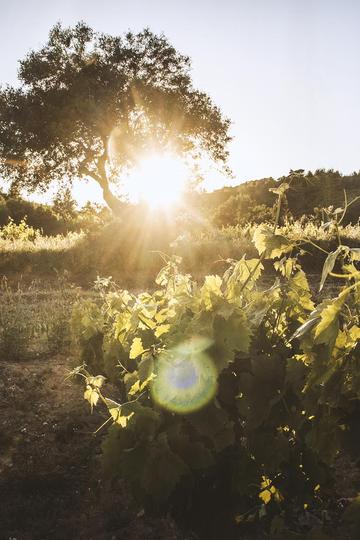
133, 260
40, 243
34, 320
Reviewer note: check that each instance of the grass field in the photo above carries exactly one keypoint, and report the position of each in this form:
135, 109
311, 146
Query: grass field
133, 260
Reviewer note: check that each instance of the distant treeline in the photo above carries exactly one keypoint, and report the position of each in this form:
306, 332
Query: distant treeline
60, 217
308, 194
250, 202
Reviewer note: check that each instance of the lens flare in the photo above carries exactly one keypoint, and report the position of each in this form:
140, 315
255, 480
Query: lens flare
186, 378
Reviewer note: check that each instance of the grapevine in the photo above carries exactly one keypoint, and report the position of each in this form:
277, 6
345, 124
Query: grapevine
232, 402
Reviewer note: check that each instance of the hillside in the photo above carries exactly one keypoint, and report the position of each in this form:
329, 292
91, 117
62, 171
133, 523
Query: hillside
252, 200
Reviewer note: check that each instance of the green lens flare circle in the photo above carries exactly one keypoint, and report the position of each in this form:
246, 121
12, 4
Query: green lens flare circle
185, 381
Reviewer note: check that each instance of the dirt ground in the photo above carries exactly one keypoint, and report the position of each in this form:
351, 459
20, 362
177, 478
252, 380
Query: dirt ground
50, 477
50, 473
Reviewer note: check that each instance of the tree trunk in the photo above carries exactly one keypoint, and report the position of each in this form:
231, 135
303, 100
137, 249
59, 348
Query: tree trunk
115, 204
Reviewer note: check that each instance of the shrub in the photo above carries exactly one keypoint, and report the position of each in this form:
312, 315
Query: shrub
19, 231
231, 401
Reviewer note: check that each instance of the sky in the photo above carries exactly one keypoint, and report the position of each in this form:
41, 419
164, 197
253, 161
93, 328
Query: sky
286, 72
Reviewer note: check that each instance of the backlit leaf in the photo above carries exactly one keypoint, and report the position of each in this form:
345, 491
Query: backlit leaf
136, 348
329, 265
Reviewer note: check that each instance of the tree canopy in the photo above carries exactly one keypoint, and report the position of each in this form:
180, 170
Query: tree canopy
89, 104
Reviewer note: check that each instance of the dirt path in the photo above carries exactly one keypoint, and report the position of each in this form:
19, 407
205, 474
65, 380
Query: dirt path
50, 479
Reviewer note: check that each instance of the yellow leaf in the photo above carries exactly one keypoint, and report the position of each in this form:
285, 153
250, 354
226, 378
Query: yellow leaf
118, 418
91, 395
115, 412
136, 348
270, 244
139, 386
211, 290
269, 491
328, 327
135, 388
162, 329
97, 381
355, 333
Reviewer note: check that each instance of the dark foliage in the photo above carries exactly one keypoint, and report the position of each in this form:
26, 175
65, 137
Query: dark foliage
252, 201
90, 104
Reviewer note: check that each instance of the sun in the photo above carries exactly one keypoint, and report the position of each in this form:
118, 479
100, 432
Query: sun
159, 180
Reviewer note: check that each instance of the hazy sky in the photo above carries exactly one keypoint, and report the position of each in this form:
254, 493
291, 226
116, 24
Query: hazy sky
287, 72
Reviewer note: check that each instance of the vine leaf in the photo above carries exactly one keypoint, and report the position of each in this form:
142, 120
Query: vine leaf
327, 330
306, 326
269, 491
270, 244
161, 329
91, 395
136, 348
329, 265
116, 414
232, 334
211, 291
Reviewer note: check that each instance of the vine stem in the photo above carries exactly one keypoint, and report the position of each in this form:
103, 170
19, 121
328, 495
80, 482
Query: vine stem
262, 256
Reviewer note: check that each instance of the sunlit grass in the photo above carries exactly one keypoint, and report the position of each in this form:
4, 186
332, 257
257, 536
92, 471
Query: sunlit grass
294, 231
130, 250
40, 243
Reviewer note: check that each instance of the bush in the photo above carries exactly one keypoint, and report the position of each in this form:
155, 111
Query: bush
19, 231
38, 216
230, 401
221, 419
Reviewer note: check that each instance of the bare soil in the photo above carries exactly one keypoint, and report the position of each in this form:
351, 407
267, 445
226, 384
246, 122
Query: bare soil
50, 473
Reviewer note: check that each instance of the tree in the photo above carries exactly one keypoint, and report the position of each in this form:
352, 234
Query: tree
90, 104
64, 204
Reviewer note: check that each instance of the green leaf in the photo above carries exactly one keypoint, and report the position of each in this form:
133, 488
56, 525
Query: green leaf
139, 386
211, 291
145, 422
327, 329
214, 424
155, 469
329, 265
233, 333
93, 385
269, 491
116, 414
306, 326
146, 367
270, 244
239, 273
